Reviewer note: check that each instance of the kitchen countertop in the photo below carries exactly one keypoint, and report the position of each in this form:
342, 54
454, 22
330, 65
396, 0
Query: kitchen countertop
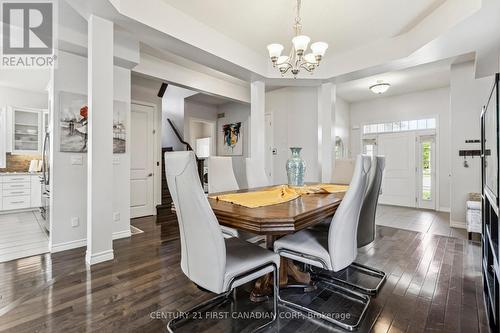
20, 173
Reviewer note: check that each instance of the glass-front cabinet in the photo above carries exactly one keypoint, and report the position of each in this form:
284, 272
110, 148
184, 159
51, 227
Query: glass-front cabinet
26, 131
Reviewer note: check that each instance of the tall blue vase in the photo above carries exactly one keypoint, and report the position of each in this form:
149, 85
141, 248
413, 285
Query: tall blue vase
295, 168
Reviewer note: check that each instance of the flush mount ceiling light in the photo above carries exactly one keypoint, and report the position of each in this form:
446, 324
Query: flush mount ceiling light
380, 87
297, 59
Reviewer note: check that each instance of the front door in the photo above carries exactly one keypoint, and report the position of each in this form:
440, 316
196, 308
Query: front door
141, 161
398, 185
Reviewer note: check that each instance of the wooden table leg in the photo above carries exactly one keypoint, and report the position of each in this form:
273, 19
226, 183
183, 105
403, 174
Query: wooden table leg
263, 286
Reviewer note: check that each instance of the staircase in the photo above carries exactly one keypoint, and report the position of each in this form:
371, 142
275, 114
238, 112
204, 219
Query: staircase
164, 213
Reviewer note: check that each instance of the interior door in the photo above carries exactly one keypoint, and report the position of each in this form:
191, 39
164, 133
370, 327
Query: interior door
398, 185
141, 161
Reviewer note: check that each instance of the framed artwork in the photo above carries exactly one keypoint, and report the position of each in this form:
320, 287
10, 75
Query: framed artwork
232, 144
73, 121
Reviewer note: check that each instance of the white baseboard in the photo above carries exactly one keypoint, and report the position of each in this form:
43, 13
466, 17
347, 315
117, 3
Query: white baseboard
68, 245
458, 224
122, 234
83, 242
444, 209
96, 258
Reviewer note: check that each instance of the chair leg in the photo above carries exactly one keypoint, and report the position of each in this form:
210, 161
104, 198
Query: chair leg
326, 277
221, 298
352, 295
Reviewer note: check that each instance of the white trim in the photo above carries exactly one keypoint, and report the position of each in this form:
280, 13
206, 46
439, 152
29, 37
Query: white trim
54, 248
458, 224
122, 234
83, 242
92, 259
444, 209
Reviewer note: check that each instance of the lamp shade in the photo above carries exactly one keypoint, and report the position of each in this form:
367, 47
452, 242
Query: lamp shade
300, 43
319, 48
275, 50
380, 88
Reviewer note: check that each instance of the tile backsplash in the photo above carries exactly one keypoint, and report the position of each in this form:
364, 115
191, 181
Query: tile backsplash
19, 163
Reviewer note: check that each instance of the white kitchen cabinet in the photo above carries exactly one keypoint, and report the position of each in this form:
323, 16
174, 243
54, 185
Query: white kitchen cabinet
20, 191
26, 131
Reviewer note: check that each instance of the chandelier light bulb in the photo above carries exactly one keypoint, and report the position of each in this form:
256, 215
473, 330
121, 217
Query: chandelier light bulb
300, 44
275, 51
319, 49
310, 59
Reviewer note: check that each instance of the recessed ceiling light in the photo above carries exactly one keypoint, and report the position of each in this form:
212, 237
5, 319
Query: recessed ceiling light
380, 88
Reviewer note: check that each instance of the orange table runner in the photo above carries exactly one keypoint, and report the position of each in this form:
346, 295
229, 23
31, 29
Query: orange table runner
278, 194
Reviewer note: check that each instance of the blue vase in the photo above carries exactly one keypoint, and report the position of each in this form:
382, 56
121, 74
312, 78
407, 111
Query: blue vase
295, 168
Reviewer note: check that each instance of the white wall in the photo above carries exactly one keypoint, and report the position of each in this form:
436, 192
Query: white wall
468, 95
69, 181
234, 113
193, 110
295, 124
343, 122
416, 105
23, 98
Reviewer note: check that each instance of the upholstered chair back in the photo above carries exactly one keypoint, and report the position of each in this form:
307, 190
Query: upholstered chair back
343, 171
203, 251
342, 236
366, 226
221, 175
256, 175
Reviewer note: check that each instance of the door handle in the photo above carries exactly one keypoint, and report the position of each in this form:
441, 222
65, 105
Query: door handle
150, 175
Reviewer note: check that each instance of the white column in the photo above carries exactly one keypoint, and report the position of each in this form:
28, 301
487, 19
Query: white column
100, 141
326, 130
257, 123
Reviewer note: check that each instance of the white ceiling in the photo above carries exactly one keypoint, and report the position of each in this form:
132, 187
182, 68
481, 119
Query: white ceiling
25, 79
343, 24
424, 77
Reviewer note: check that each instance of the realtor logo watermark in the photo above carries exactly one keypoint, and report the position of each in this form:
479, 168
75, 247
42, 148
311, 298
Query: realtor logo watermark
28, 34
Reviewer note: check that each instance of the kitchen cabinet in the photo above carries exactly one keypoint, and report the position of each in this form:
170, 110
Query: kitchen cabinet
26, 131
20, 191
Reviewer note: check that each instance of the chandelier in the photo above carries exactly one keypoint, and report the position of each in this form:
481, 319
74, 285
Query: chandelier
297, 59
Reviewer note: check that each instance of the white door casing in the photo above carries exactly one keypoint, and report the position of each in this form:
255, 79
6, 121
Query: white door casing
141, 161
399, 182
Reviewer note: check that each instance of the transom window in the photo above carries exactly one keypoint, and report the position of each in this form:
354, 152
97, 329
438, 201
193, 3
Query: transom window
400, 126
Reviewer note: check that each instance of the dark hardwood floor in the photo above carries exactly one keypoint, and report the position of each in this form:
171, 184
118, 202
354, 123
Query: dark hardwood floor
433, 285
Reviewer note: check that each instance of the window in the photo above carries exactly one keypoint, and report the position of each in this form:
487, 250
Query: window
400, 126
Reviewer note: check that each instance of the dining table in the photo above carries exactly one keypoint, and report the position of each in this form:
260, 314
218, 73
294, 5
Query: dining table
273, 222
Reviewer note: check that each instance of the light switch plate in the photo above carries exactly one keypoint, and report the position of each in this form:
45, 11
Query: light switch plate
75, 222
76, 160
116, 216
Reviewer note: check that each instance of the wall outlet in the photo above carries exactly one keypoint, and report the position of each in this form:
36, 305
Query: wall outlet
116, 160
75, 222
116, 216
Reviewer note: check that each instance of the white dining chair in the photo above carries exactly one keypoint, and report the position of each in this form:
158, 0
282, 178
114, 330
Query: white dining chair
208, 259
221, 176
256, 175
335, 250
343, 171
